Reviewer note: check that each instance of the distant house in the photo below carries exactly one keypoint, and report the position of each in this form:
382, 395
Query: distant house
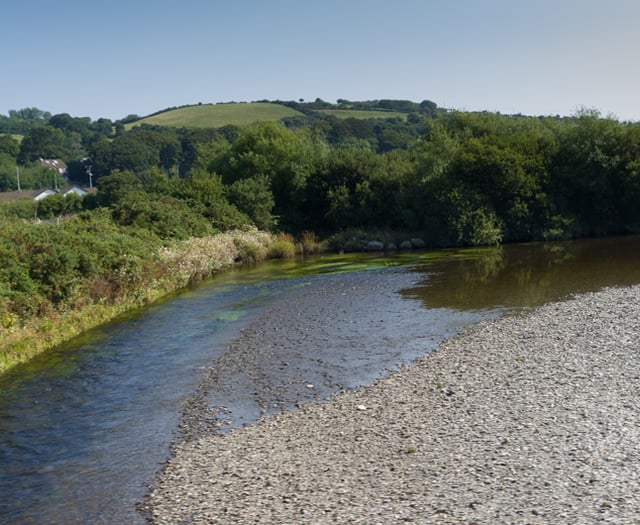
46, 192
73, 189
55, 164
43, 194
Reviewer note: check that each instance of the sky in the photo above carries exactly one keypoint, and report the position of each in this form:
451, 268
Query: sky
122, 57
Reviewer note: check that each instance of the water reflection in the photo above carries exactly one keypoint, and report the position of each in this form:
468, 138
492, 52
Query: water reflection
525, 275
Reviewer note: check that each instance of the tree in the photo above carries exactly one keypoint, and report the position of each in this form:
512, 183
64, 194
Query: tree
30, 114
253, 197
114, 188
589, 172
137, 151
66, 122
103, 127
44, 142
427, 107
340, 194
267, 151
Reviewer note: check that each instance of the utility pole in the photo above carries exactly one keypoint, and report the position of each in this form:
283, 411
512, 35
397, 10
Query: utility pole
18, 176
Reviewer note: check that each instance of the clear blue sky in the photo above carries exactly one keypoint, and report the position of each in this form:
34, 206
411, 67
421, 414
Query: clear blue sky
113, 58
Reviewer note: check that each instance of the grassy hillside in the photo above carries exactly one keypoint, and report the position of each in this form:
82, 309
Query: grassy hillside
217, 115
13, 136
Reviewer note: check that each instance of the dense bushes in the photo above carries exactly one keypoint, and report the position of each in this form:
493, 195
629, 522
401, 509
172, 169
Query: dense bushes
59, 277
469, 179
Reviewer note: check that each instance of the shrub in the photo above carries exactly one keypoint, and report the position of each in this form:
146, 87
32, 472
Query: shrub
283, 247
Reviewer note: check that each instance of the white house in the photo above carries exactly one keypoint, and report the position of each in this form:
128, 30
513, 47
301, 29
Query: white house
43, 194
68, 190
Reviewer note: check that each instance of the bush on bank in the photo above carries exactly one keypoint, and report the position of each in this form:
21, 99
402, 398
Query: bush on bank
58, 279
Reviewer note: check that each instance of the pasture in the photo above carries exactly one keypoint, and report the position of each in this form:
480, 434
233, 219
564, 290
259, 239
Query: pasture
218, 115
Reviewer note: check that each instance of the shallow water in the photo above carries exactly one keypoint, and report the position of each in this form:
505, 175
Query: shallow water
85, 427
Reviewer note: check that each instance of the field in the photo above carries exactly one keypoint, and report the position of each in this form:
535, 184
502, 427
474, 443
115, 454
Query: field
243, 113
15, 137
218, 115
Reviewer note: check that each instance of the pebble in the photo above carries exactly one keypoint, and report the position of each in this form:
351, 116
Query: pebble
528, 419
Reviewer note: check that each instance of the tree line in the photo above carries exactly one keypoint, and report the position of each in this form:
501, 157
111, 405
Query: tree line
455, 178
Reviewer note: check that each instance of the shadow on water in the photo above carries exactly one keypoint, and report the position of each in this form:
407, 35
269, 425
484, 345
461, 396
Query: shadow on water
83, 428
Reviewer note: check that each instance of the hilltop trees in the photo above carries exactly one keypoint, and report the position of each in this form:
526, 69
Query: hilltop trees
21, 121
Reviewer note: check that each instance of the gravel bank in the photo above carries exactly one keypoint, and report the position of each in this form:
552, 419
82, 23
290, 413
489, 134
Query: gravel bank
532, 419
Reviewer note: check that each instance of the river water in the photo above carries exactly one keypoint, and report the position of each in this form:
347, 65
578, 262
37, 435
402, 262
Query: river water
85, 427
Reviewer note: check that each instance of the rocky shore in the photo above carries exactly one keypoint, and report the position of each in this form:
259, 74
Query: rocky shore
527, 419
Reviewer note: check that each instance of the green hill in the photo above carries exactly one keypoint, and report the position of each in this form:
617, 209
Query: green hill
218, 115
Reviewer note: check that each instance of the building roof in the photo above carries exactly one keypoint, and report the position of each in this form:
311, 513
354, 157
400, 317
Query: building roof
55, 164
79, 190
41, 194
7, 196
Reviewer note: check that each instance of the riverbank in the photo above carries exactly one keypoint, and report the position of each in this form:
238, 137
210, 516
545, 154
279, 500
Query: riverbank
98, 300
527, 419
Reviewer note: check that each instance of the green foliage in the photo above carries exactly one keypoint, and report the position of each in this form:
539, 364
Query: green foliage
348, 191
253, 197
205, 192
283, 247
49, 143
115, 187
271, 159
32, 175
57, 205
165, 216
21, 121
593, 174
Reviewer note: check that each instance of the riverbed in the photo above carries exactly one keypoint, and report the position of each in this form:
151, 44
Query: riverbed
528, 419
84, 429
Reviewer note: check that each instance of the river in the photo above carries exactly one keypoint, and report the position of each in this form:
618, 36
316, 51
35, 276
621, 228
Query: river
84, 428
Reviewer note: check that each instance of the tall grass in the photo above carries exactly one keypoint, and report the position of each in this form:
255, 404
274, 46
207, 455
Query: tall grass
310, 244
